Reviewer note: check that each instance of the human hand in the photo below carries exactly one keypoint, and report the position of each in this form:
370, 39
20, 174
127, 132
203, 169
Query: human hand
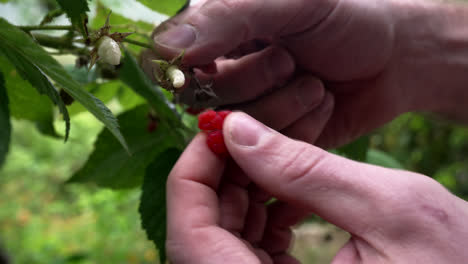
364, 51
217, 211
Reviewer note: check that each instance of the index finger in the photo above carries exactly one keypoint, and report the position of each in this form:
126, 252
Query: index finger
191, 188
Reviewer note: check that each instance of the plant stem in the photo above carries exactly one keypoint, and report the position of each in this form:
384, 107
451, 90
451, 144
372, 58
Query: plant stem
59, 43
32, 28
138, 43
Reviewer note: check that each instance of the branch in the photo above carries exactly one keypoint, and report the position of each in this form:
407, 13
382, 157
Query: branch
138, 43
64, 42
32, 28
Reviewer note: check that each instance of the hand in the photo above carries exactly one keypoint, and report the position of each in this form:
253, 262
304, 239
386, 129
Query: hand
217, 211
365, 52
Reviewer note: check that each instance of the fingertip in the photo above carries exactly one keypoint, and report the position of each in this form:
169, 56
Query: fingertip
198, 163
241, 130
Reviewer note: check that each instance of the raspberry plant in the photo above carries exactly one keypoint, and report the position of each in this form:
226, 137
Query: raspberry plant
137, 148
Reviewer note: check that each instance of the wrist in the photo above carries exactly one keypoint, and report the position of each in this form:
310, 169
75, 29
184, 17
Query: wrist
432, 55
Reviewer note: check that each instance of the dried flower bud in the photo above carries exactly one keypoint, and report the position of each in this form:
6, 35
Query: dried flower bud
109, 51
176, 76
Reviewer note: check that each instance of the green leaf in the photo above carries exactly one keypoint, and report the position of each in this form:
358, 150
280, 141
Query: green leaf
103, 91
5, 125
76, 11
380, 158
356, 150
110, 166
26, 102
153, 199
20, 48
128, 98
31, 72
168, 7
133, 76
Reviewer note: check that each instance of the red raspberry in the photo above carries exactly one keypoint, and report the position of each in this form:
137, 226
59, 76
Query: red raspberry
224, 113
215, 141
211, 120
205, 118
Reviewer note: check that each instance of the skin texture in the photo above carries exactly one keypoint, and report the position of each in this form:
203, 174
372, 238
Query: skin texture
217, 212
323, 72
377, 59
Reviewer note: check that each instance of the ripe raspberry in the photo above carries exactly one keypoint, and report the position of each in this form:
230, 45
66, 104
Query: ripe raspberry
211, 120
224, 113
215, 141
205, 118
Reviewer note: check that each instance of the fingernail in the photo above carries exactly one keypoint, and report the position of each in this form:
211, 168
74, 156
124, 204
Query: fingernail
182, 36
244, 130
309, 92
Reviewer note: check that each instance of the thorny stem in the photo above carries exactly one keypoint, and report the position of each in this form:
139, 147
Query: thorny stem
59, 42
63, 42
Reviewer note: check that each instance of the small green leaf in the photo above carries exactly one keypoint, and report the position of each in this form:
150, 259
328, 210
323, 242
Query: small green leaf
167, 7
153, 199
110, 166
356, 150
5, 125
76, 11
20, 48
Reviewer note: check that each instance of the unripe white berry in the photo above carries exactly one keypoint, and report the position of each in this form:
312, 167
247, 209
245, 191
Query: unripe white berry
176, 76
109, 51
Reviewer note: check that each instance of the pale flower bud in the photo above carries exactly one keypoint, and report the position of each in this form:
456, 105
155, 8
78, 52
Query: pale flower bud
109, 51
176, 76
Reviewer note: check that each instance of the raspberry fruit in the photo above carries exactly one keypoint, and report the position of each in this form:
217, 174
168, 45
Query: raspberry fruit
205, 118
215, 141
224, 113
212, 122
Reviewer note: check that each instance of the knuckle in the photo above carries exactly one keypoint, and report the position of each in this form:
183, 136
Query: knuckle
278, 66
299, 165
239, 12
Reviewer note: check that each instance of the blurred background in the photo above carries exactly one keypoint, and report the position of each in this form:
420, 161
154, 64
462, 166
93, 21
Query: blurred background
43, 220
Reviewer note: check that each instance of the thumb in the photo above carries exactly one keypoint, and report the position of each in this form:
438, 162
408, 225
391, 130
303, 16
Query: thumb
215, 28
354, 196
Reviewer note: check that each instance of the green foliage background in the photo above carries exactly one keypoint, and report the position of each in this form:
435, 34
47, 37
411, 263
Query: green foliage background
53, 208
